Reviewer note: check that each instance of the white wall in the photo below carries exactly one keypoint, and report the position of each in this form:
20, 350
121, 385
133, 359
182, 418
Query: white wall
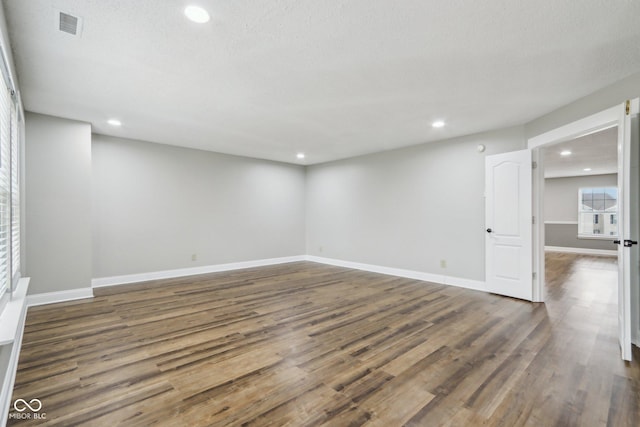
58, 203
561, 194
154, 206
600, 100
407, 208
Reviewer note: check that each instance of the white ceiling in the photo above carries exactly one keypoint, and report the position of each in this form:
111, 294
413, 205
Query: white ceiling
331, 78
597, 151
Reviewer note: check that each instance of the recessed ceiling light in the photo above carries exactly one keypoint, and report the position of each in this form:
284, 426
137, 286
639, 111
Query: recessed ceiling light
437, 124
300, 156
565, 153
197, 14
587, 169
114, 122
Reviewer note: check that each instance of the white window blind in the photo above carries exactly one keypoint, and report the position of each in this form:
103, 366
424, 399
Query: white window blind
5, 189
9, 182
15, 196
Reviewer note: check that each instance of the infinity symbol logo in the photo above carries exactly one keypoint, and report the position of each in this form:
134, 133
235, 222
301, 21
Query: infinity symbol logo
37, 405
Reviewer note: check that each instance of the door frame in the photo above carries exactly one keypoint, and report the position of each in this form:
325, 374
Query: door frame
610, 117
588, 125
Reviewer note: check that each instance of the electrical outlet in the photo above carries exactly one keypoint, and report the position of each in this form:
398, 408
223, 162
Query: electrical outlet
443, 263
194, 257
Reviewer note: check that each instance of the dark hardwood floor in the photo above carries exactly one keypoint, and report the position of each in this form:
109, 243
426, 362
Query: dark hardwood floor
306, 344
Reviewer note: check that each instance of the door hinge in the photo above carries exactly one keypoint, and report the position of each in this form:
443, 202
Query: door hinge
534, 275
534, 165
533, 220
627, 107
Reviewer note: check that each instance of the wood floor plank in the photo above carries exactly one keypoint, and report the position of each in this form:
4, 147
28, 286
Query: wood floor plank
304, 344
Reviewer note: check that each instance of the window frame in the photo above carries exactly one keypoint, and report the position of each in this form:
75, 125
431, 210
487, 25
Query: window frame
600, 214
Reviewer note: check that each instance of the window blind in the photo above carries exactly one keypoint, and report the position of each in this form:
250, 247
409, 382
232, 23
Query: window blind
5, 189
15, 196
9, 181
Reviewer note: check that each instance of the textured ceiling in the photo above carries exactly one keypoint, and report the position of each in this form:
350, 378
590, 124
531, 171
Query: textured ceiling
331, 78
597, 151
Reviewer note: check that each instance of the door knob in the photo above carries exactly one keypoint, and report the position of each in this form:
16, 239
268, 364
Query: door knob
629, 243
489, 230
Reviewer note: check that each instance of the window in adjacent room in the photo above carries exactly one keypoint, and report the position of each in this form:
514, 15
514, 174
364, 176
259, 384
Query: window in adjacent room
598, 212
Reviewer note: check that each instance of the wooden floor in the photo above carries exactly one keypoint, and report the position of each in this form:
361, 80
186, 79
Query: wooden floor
306, 344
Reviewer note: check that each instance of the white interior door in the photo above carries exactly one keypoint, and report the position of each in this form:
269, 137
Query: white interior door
627, 217
508, 219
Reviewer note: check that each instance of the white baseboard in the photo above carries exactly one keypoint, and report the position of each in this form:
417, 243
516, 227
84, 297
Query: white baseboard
182, 272
61, 296
583, 251
476, 285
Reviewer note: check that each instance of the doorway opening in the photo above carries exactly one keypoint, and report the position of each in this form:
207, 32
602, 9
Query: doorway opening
624, 117
580, 196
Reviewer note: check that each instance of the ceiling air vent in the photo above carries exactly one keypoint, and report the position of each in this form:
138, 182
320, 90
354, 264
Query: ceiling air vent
68, 23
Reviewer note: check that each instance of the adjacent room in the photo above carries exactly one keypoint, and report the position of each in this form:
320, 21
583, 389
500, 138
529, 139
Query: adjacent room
581, 194
330, 213
580, 224
581, 212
